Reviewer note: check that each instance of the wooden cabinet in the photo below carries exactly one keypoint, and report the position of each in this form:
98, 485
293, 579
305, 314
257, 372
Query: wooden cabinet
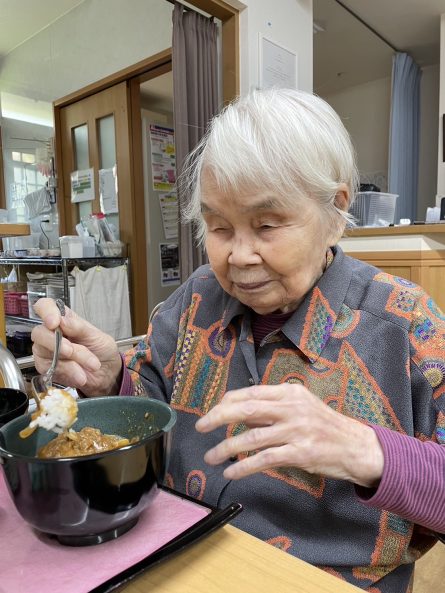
426, 268
415, 252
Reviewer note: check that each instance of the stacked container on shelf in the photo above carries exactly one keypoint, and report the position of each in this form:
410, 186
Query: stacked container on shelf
36, 291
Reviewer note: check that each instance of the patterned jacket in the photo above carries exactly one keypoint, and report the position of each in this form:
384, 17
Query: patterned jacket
368, 344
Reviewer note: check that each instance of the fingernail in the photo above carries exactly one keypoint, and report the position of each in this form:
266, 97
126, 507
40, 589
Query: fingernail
201, 424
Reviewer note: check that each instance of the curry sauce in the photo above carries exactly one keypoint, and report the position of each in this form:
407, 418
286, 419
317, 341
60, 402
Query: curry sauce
88, 441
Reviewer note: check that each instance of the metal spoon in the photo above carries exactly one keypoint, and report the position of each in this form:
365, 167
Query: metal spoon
41, 383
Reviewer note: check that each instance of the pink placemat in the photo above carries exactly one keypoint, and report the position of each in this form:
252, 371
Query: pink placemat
42, 565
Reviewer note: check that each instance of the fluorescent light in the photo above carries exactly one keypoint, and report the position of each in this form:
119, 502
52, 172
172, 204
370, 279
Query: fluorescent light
26, 109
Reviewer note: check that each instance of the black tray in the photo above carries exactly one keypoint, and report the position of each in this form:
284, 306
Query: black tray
214, 520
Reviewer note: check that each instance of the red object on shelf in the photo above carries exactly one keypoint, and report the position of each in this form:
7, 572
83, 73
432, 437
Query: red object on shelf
12, 303
24, 309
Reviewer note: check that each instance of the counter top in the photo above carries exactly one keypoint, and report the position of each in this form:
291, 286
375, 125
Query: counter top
414, 237
412, 229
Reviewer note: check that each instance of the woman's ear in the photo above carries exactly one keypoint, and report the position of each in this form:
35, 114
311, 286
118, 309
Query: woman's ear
342, 197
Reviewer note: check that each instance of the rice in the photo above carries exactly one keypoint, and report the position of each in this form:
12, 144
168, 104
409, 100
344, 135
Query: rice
57, 412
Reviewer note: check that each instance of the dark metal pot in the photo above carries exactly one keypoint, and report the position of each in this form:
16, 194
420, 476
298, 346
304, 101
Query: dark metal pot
13, 403
91, 499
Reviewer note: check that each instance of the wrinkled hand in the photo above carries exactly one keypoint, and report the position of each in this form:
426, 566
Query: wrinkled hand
89, 359
290, 426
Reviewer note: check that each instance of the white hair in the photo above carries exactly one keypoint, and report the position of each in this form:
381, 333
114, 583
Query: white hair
288, 142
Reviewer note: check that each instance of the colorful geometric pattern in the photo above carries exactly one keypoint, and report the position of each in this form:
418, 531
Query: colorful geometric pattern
346, 385
318, 325
205, 352
346, 322
196, 484
403, 298
390, 550
202, 364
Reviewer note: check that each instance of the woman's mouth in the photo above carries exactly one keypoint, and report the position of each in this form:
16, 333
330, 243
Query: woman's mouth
250, 286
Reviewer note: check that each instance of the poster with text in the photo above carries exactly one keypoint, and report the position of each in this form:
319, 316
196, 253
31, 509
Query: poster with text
82, 186
170, 214
169, 253
163, 157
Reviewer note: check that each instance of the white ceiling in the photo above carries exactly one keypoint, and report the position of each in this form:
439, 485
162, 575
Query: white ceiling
345, 53
22, 19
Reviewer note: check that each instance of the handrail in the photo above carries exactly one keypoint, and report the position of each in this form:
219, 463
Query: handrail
26, 362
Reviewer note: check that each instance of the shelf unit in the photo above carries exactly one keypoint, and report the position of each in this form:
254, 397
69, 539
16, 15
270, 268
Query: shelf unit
63, 265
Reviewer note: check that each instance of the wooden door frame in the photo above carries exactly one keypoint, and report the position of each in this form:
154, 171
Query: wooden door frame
133, 224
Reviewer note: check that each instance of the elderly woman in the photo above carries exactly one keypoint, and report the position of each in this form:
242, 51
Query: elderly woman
309, 386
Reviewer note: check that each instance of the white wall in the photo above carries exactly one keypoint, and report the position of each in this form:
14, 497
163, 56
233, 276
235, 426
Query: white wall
440, 157
364, 110
288, 23
429, 110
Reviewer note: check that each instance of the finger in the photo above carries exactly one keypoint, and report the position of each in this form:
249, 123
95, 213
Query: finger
70, 373
254, 439
85, 358
252, 412
49, 312
258, 392
71, 324
261, 461
74, 326
44, 342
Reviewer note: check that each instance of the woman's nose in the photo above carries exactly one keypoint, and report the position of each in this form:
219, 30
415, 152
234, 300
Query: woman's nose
244, 252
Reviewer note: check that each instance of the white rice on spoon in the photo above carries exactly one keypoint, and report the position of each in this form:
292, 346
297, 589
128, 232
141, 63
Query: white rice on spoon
57, 412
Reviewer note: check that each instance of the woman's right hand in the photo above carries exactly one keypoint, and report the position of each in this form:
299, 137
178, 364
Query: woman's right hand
89, 358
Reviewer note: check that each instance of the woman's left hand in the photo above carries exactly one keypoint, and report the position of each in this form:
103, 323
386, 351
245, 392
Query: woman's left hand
287, 425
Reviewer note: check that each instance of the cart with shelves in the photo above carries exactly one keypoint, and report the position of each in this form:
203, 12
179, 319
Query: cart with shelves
59, 265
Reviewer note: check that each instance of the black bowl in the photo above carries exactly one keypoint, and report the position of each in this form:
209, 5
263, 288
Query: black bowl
95, 498
13, 403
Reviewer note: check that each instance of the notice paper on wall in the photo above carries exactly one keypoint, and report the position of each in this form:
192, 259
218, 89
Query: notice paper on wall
82, 186
169, 254
108, 190
169, 213
163, 157
278, 65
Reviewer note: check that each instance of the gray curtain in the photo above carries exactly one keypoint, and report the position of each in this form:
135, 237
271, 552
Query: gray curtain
195, 98
404, 135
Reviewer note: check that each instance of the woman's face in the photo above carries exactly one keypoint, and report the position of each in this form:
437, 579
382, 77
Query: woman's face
262, 253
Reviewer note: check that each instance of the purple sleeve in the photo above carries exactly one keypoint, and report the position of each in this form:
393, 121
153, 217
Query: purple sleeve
126, 387
413, 480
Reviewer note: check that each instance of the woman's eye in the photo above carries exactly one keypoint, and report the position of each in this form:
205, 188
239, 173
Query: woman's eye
218, 229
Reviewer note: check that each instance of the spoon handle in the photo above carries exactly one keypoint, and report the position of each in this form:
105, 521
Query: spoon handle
50, 372
61, 306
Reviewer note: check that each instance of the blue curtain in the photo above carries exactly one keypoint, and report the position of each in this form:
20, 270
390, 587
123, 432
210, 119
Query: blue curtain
404, 135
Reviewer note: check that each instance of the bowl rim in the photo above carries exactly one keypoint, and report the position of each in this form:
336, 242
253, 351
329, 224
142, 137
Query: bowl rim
79, 458
19, 405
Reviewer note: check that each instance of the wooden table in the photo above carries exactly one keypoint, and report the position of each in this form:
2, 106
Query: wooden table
231, 561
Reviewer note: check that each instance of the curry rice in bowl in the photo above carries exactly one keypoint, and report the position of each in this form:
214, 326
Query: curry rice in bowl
92, 498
